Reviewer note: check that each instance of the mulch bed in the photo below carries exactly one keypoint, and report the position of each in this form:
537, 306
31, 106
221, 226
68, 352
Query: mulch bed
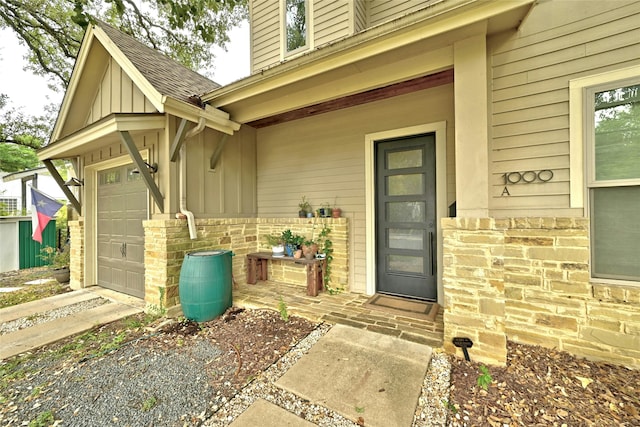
543, 387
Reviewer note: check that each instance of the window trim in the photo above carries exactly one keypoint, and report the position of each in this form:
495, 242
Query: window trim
590, 158
578, 132
284, 54
582, 146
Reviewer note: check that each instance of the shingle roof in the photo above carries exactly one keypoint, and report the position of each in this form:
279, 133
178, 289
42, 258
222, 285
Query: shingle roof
167, 76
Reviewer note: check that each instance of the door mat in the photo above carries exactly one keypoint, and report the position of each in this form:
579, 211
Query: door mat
403, 306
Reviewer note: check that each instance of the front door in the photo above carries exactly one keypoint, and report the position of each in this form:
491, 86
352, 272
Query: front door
122, 206
406, 217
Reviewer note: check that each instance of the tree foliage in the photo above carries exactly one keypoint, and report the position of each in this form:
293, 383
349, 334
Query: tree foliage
20, 136
183, 29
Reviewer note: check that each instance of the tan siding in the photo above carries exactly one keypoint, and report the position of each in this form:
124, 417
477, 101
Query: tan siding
384, 10
330, 20
105, 93
116, 93
126, 93
265, 29
229, 190
530, 73
322, 158
116, 88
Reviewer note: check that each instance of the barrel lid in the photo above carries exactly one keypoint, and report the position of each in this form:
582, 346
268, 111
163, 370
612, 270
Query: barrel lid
208, 253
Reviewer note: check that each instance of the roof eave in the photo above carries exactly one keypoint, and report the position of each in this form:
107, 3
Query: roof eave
383, 38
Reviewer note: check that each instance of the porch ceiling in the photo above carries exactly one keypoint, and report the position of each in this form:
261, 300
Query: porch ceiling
401, 50
103, 132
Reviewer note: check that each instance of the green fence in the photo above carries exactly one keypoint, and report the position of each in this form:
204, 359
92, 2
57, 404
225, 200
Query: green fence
29, 248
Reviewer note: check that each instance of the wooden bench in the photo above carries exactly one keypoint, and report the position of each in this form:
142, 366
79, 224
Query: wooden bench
257, 269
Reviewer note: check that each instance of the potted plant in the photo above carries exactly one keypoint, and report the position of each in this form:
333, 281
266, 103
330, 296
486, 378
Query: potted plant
292, 242
58, 260
277, 248
305, 208
309, 248
336, 211
325, 210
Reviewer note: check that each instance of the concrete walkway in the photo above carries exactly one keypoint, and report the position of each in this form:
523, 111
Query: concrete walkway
27, 339
356, 373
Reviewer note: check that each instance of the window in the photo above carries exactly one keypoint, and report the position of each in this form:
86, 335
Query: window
295, 25
8, 206
613, 179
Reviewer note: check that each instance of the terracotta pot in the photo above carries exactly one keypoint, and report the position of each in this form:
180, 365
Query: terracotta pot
336, 212
310, 251
297, 254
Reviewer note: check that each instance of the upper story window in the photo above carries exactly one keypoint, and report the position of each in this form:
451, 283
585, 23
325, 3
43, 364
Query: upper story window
613, 178
296, 25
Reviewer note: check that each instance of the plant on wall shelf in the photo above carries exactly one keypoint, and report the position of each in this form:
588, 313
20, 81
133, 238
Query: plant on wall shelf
305, 207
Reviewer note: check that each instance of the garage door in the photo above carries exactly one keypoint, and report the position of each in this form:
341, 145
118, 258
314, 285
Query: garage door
122, 206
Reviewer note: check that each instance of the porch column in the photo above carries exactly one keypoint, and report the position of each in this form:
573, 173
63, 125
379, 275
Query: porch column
472, 142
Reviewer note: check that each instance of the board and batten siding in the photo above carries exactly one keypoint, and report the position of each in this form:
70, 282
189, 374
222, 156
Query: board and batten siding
116, 93
331, 20
265, 33
323, 158
229, 190
530, 73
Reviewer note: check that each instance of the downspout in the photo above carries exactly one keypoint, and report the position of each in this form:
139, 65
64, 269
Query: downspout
191, 222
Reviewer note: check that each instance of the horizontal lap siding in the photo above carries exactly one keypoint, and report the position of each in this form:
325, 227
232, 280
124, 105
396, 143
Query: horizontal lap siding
381, 11
530, 74
265, 33
331, 20
323, 158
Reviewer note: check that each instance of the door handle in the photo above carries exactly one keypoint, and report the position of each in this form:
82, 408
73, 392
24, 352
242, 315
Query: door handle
431, 266
123, 250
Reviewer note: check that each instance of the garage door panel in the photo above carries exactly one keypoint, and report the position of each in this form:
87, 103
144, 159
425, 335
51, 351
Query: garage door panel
134, 227
136, 203
135, 252
104, 249
104, 274
135, 282
119, 278
104, 225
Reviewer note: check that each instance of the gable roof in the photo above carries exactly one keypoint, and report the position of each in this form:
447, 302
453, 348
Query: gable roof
167, 76
166, 84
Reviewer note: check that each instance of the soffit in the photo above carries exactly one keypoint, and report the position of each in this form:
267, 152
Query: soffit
384, 55
101, 133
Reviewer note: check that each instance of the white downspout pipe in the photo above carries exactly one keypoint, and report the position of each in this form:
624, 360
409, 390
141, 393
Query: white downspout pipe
191, 222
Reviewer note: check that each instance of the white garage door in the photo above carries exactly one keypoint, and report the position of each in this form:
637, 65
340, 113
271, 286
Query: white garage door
122, 206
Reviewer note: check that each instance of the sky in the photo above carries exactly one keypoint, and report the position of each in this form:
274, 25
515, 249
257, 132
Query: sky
30, 92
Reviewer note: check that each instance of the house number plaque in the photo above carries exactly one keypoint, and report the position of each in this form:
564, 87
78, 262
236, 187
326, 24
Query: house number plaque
527, 177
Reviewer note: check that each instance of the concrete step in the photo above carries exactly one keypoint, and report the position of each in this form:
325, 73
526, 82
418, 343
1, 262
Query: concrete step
43, 305
46, 333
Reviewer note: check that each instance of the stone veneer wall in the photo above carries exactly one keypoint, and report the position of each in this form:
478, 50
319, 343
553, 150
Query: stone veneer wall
527, 280
76, 263
167, 242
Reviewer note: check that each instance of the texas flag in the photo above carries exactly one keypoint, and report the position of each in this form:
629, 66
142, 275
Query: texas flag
43, 208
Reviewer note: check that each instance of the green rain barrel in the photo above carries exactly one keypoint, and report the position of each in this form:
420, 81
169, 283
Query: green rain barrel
205, 284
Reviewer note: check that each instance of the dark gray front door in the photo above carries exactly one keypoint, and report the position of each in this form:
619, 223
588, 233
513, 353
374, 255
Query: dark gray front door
122, 206
406, 217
